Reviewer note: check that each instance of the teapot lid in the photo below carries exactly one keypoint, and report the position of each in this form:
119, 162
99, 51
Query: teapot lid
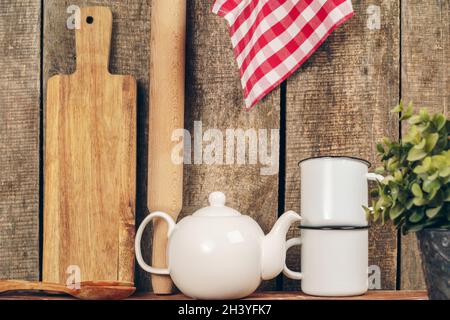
217, 207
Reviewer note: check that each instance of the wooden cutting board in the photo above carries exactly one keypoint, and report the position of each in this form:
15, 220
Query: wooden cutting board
90, 163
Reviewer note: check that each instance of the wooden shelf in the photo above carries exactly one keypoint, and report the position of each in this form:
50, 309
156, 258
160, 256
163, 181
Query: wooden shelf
371, 295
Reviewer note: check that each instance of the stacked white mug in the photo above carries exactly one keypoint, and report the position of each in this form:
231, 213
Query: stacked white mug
334, 235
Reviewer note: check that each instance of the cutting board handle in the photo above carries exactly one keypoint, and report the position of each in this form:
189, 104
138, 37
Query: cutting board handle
93, 38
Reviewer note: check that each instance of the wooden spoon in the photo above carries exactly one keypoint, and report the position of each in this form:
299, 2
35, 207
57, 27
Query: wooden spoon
89, 290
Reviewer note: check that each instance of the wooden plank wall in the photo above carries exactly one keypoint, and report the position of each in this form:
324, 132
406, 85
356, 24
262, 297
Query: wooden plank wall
337, 103
20, 60
214, 97
425, 81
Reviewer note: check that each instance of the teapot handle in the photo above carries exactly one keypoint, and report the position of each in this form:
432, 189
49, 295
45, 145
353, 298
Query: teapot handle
137, 243
286, 271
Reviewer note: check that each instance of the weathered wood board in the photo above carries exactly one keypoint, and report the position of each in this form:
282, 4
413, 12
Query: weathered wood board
129, 55
426, 81
214, 100
20, 34
338, 104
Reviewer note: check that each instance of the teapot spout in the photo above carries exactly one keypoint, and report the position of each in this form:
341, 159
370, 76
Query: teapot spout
274, 246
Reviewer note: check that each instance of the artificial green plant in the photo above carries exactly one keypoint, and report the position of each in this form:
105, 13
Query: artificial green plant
415, 193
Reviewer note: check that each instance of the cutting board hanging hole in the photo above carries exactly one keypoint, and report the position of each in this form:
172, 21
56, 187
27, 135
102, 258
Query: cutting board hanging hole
93, 39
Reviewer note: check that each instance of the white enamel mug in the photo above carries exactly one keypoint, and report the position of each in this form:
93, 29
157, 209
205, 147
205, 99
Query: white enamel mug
334, 191
334, 262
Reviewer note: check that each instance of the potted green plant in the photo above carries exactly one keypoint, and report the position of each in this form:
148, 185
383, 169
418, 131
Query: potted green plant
415, 193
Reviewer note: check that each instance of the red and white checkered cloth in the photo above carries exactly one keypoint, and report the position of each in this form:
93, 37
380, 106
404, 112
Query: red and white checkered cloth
272, 38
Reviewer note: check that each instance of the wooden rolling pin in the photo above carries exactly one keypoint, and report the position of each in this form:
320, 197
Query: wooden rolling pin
167, 76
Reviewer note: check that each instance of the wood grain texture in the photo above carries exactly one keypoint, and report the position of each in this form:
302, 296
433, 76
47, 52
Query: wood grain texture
338, 104
214, 97
90, 163
425, 79
90, 290
167, 75
371, 295
20, 23
129, 55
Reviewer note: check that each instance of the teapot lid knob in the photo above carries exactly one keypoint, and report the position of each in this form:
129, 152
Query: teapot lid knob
217, 199
216, 208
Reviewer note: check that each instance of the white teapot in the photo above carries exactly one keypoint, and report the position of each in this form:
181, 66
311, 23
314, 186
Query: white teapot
217, 253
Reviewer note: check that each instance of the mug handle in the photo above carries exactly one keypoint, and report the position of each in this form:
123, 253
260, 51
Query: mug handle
137, 242
286, 271
374, 177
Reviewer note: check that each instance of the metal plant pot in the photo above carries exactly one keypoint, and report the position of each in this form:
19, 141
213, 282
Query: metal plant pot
435, 251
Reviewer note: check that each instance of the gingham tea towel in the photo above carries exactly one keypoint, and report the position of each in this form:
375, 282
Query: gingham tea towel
272, 38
